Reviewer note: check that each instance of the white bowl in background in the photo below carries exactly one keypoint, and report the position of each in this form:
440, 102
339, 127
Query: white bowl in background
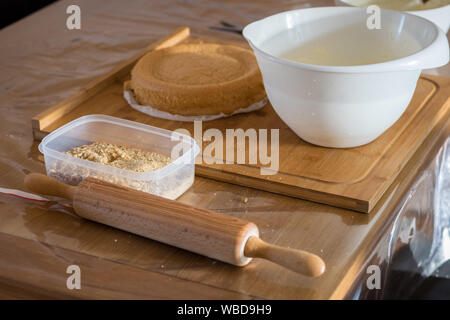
440, 16
339, 105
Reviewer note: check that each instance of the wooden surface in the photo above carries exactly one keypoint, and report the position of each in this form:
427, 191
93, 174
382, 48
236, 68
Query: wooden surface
49, 238
39, 241
353, 178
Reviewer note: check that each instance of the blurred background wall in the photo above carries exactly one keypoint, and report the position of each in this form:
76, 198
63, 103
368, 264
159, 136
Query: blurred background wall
14, 10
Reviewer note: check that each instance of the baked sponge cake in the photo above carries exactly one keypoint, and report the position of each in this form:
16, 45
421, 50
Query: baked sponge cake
197, 79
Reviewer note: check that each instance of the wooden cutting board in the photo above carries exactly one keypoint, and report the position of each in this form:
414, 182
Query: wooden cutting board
353, 178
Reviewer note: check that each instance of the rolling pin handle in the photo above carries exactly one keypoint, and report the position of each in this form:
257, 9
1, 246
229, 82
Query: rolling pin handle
40, 183
296, 260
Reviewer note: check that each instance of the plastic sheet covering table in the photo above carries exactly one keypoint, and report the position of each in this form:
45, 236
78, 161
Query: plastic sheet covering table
41, 62
417, 244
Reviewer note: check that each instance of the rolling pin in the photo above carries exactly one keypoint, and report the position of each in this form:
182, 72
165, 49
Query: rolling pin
205, 232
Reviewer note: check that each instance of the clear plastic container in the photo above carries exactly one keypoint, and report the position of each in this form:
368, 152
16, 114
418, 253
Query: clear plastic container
170, 181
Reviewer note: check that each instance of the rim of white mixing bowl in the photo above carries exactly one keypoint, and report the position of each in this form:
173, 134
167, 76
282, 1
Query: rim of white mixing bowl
410, 62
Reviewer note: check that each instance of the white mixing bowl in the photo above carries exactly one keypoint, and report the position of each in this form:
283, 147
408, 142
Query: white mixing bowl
440, 16
344, 105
